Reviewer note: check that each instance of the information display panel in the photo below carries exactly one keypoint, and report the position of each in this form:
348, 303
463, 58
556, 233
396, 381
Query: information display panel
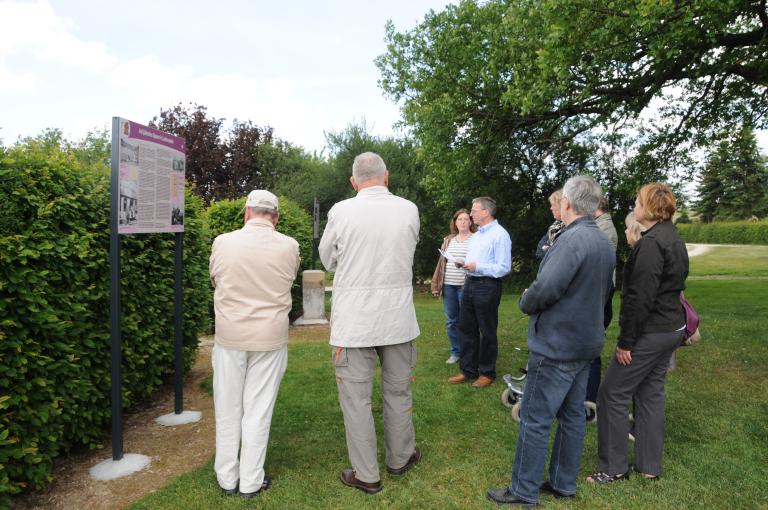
150, 180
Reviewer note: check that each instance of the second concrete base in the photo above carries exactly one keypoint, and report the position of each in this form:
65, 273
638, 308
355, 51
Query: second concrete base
301, 321
173, 419
111, 469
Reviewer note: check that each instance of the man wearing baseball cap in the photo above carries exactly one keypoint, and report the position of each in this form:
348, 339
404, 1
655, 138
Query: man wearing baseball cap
252, 270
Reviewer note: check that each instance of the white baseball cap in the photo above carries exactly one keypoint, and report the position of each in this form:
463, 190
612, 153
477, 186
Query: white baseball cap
262, 198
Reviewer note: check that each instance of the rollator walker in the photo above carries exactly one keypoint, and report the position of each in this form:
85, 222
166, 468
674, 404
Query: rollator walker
515, 386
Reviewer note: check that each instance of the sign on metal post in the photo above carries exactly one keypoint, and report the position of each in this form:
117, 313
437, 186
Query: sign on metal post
151, 179
147, 196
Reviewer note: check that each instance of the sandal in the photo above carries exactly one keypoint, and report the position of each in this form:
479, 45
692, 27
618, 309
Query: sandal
601, 477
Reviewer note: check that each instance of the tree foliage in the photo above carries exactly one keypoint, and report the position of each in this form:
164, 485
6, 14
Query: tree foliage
220, 164
734, 182
479, 71
510, 97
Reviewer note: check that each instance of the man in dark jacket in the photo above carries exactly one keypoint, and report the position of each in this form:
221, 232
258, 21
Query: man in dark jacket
565, 332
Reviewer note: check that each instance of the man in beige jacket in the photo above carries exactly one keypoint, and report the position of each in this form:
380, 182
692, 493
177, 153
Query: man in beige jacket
369, 242
252, 270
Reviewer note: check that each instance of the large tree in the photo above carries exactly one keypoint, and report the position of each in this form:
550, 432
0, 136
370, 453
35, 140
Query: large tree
565, 66
510, 97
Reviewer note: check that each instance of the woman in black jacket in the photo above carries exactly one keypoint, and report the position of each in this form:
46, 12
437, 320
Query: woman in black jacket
651, 326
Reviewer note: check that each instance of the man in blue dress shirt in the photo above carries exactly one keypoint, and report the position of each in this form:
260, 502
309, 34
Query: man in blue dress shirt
489, 258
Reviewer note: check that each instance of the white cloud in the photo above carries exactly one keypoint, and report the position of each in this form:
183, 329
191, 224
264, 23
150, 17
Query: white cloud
53, 74
17, 83
137, 87
35, 27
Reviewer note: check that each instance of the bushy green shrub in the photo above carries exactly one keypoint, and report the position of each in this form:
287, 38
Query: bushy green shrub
732, 232
227, 215
54, 308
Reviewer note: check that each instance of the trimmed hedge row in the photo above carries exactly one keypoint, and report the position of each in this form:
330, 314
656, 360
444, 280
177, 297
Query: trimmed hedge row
227, 215
54, 309
732, 232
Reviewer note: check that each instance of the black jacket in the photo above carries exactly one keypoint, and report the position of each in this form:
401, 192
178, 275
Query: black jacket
654, 275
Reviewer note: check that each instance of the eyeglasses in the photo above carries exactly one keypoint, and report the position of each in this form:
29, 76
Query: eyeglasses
476, 210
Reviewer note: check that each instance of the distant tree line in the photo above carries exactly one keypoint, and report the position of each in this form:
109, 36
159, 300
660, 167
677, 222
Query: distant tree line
734, 182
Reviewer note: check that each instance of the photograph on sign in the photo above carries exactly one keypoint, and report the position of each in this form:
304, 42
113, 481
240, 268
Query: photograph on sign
151, 180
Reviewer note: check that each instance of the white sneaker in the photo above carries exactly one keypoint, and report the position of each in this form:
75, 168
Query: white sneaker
453, 359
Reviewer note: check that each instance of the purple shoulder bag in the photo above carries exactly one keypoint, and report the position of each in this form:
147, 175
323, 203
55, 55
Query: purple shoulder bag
691, 334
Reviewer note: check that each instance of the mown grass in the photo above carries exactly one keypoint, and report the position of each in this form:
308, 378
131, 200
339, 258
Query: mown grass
716, 448
731, 261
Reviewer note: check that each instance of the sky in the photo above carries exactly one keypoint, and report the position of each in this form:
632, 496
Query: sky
302, 67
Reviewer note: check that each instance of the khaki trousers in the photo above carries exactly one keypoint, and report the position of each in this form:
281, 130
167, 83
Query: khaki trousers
354, 378
245, 385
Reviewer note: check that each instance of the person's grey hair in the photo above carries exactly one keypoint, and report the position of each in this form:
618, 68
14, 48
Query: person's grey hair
583, 193
367, 166
263, 211
486, 203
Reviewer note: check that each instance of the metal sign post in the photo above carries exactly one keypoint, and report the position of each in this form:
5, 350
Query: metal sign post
178, 307
114, 302
316, 228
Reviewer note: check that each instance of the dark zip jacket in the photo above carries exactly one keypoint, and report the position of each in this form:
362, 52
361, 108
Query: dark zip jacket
654, 276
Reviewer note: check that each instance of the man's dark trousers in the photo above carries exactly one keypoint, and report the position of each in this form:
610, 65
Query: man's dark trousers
478, 321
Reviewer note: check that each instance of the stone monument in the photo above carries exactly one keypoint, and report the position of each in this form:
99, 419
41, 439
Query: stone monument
313, 292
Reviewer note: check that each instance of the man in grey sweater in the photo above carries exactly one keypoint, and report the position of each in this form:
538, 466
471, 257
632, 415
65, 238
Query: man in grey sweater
565, 332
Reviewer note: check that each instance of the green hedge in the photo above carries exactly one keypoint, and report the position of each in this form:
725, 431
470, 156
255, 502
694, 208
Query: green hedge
54, 308
227, 215
733, 232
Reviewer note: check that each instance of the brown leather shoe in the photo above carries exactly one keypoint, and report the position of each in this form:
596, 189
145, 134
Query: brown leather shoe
415, 457
458, 379
349, 479
482, 382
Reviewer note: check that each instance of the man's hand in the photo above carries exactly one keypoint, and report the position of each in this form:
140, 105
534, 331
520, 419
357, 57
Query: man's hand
471, 266
623, 357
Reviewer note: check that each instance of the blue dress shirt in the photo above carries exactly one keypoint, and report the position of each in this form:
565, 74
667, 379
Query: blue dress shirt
491, 249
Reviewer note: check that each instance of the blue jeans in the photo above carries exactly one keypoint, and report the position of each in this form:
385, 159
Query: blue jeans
553, 389
451, 306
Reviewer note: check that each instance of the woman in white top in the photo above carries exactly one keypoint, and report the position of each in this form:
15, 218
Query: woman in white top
448, 280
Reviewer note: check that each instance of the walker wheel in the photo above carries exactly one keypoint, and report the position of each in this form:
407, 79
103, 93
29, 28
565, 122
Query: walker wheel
508, 398
590, 408
516, 412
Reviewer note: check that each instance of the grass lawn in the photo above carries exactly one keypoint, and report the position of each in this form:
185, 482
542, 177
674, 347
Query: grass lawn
730, 261
716, 448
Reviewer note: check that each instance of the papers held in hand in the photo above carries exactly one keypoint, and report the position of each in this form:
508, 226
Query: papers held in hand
459, 261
